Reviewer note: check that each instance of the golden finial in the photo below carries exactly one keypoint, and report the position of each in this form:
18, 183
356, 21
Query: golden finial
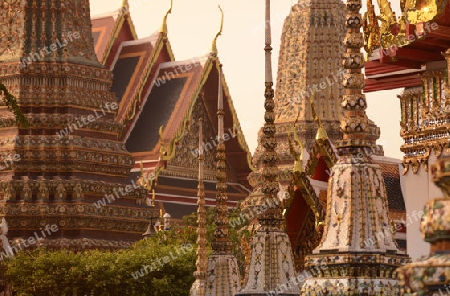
298, 157
371, 30
125, 4
321, 132
214, 43
162, 149
163, 28
143, 180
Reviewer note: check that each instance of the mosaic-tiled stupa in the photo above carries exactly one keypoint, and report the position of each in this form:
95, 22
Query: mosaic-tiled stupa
271, 262
357, 254
68, 167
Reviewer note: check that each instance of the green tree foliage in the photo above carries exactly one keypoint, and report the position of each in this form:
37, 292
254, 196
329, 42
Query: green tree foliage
11, 103
161, 265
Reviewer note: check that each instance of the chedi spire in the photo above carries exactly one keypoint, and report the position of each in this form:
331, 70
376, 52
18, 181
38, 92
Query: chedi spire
357, 247
271, 267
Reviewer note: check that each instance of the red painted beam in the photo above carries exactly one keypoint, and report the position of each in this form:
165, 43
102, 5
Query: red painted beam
376, 68
387, 83
418, 55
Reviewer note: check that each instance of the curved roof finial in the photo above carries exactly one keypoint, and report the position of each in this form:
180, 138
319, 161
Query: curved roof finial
298, 157
125, 3
214, 44
163, 28
321, 132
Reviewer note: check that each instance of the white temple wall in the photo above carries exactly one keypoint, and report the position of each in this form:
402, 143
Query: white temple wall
417, 190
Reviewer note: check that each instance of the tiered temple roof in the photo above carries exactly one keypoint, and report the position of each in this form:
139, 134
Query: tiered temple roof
160, 101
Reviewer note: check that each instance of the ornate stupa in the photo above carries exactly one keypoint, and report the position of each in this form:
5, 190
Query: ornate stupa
222, 275
307, 104
271, 262
357, 254
309, 64
68, 168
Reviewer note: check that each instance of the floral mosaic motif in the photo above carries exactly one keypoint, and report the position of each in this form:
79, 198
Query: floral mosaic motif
11, 12
76, 216
300, 68
14, 189
186, 153
339, 287
99, 155
425, 120
222, 285
274, 245
357, 208
418, 276
435, 223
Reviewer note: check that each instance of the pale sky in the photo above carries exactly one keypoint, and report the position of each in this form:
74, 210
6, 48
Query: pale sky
192, 27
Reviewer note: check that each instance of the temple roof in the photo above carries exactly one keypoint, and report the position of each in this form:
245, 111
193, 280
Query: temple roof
109, 30
401, 68
159, 102
391, 175
169, 104
134, 67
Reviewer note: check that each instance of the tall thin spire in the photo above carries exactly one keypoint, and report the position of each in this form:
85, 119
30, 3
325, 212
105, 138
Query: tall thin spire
271, 264
198, 287
268, 49
222, 278
358, 254
221, 244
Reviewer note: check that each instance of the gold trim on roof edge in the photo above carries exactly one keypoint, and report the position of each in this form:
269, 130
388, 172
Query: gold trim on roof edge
130, 111
123, 15
392, 32
371, 30
300, 179
171, 147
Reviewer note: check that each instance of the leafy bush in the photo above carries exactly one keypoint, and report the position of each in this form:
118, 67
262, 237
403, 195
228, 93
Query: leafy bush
161, 265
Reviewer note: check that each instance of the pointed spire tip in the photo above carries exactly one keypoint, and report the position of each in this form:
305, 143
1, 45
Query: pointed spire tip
163, 29
214, 43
